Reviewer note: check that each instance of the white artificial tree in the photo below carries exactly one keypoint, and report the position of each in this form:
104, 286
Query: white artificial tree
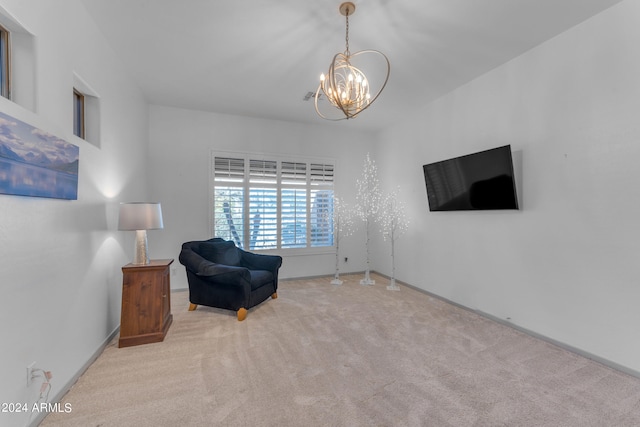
394, 222
342, 227
368, 205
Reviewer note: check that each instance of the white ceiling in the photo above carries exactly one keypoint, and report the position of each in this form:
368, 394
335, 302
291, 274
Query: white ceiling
260, 57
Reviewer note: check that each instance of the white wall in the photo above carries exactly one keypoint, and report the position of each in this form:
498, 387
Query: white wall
60, 260
180, 145
566, 265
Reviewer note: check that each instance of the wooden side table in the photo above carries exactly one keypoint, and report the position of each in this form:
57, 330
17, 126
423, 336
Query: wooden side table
146, 303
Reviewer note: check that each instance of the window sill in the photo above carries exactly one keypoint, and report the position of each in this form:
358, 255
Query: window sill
331, 250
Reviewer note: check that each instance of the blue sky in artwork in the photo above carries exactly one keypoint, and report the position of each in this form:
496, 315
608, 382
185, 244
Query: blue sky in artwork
35, 145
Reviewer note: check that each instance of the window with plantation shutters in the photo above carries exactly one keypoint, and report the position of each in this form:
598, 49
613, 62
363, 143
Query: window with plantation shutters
262, 203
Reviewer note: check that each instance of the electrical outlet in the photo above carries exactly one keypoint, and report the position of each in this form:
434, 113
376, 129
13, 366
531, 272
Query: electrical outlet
30, 368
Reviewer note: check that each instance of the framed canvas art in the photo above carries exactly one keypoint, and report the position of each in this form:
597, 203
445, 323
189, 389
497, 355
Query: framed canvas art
36, 163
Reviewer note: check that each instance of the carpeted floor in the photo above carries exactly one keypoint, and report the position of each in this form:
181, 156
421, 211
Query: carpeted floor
352, 355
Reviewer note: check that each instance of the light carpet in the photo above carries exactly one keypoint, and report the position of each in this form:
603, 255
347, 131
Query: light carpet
352, 355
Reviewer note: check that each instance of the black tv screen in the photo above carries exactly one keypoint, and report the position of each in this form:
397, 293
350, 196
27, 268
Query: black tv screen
478, 181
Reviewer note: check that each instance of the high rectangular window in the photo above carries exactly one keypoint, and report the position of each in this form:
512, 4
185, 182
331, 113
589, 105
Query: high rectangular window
264, 203
5, 63
17, 62
78, 114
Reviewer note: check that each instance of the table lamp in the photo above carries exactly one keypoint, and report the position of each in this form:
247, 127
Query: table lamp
140, 216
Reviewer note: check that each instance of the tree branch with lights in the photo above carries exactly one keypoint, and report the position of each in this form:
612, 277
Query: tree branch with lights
393, 222
368, 205
342, 227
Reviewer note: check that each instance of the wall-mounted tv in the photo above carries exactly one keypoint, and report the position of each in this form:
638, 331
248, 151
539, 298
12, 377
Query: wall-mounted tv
478, 181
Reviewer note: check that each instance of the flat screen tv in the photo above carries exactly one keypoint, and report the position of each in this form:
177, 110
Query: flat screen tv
478, 181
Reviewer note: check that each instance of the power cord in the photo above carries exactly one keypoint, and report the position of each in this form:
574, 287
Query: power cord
46, 385
45, 389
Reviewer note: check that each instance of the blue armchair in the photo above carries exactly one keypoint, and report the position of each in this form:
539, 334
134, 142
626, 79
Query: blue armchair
224, 276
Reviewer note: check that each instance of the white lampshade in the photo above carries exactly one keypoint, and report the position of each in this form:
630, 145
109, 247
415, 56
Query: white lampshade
140, 216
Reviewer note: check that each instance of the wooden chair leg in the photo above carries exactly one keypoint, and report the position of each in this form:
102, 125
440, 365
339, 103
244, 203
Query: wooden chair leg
275, 295
242, 314
192, 306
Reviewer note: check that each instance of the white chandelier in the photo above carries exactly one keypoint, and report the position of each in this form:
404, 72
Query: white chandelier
345, 86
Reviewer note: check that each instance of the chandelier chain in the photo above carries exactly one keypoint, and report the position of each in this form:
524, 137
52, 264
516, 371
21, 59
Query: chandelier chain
347, 53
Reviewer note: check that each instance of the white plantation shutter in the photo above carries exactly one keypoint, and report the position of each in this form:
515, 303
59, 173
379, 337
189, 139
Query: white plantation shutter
271, 204
294, 218
229, 214
294, 173
321, 213
321, 174
263, 218
228, 169
293, 214
263, 204
263, 171
228, 196
321, 217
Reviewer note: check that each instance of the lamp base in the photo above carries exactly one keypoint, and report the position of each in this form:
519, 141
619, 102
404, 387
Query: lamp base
141, 255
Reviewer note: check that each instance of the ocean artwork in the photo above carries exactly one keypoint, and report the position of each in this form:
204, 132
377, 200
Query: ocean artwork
35, 163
